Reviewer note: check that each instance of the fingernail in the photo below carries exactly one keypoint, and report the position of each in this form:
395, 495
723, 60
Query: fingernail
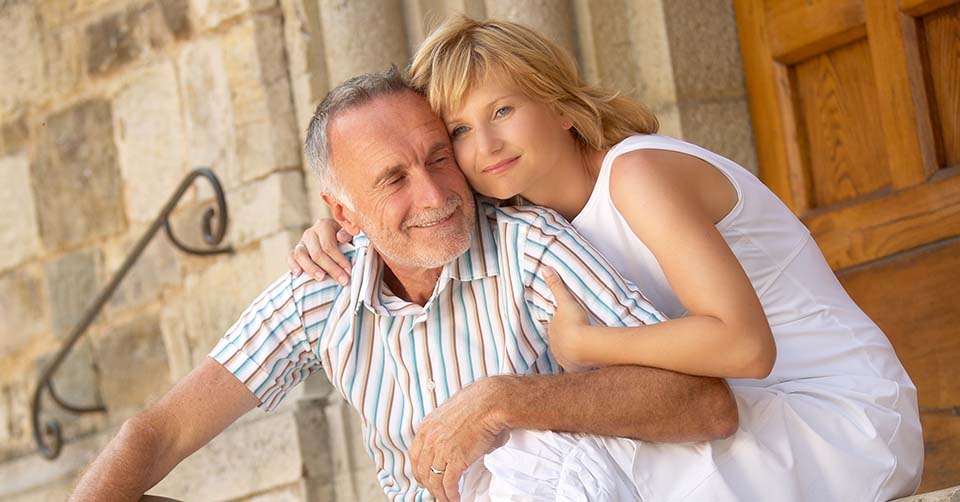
318, 277
549, 272
342, 280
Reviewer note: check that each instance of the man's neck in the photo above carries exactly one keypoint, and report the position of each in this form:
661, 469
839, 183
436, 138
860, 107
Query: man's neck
412, 284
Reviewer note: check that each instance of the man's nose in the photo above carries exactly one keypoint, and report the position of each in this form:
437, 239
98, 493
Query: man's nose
429, 189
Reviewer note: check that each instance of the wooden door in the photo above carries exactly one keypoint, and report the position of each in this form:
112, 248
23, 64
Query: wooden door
856, 115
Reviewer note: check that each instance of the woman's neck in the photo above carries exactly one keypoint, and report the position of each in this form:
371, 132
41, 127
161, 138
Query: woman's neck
567, 187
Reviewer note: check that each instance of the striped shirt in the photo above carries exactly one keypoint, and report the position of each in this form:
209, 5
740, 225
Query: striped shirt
395, 361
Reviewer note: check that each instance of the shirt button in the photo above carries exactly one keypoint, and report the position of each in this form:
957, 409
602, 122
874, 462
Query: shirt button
431, 385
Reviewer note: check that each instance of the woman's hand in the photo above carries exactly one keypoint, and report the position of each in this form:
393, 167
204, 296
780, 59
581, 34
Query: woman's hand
318, 252
568, 342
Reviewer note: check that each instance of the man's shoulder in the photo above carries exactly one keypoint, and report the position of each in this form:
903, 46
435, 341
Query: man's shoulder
539, 217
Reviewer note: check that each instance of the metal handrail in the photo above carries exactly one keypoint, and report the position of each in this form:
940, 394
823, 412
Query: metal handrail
212, 235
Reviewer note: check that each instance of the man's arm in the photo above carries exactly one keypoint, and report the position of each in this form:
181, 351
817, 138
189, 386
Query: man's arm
649, 404
152, 443
636, 402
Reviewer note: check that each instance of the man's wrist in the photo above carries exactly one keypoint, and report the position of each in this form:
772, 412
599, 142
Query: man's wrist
500, 391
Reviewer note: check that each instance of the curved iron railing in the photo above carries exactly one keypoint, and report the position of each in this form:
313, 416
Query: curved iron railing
212, 235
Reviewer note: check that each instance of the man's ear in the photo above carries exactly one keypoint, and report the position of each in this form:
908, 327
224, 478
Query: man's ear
342, 214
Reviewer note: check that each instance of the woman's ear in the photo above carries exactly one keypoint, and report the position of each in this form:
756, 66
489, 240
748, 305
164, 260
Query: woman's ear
342, 214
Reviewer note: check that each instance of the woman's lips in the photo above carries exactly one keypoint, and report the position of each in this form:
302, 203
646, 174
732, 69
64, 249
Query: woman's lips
501, 166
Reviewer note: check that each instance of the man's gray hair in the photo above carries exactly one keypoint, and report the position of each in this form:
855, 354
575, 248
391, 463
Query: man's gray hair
349, 94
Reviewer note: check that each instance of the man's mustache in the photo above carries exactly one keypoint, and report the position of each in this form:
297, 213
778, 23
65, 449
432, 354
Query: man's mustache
433, 215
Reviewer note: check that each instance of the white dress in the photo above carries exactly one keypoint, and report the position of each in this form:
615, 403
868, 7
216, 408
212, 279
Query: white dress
836, 419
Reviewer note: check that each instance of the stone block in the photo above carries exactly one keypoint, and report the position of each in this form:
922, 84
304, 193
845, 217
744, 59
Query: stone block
951, 494
354, 473
248, 458
72, 286
32, 477
209, 304
19, 236
705, 50
289, 493
112, 42
267, 140
21, 55
134, 370
176, 338
76, 383
275, 250
722, 127
65, 66
24, 306
212, 13
209, 122
15, 396
549, 17
264, 207
669, 118
423, 15
362, 36
655, 85
76, 181
305, 56
157, 268
255, 63
176, 15
150, 140
14, 135
604, 38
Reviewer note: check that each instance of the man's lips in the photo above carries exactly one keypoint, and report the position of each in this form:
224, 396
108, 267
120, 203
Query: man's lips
501, 166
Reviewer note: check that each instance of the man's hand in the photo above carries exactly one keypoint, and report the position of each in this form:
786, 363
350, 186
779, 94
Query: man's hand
454, 436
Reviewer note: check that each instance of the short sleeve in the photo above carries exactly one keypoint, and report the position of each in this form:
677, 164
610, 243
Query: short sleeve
268, 348
608, 297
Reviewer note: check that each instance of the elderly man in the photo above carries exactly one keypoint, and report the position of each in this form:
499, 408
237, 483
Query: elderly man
438, 341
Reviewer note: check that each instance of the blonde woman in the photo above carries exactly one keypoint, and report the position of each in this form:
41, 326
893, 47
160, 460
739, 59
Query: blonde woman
827, 412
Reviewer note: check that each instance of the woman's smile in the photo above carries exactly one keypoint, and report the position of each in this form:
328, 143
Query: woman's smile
501, 166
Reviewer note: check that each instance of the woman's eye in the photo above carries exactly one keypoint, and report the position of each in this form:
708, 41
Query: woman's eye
503, 111
458, 131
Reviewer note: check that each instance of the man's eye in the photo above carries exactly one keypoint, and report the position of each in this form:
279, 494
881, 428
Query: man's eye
503, 111
439, 160
395, 180
458, 131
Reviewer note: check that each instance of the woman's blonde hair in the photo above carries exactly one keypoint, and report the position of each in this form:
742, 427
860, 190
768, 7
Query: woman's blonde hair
456, 55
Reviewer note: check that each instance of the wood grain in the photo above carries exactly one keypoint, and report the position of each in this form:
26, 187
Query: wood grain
883, 226
918, 8
847, 154
942, 38
799, 29
902, 98
915, 299
766, 101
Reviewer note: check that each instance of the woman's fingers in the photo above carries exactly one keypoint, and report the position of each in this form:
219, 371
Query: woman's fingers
556, 285
318, 253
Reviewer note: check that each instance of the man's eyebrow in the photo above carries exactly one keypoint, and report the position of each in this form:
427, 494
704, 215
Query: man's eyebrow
438, 147
387, 173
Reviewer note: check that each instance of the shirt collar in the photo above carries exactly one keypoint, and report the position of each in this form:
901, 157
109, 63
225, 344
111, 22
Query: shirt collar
480, 260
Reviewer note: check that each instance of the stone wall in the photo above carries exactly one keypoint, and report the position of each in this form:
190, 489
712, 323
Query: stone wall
105, 105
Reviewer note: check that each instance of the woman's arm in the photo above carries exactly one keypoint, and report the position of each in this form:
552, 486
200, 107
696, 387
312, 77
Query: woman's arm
672, 202
318, 252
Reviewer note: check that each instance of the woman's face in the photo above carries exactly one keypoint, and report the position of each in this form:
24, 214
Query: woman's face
505, 141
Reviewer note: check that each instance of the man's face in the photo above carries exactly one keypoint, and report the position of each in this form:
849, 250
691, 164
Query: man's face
393, 158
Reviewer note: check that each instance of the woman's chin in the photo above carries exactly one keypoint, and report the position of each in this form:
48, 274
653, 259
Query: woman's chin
496, 192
